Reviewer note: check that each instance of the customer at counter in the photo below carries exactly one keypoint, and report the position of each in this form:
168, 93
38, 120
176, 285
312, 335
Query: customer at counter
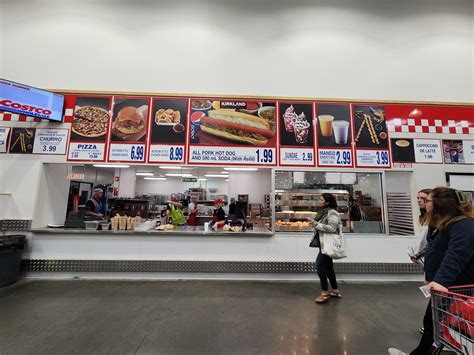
174, 210
192, 211
218, 218
94, 208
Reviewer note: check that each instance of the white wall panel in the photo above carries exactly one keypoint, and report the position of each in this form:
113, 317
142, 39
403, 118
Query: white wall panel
414, 50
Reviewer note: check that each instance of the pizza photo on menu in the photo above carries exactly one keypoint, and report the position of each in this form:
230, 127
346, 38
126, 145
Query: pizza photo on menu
91, 119
233, 122
129, 120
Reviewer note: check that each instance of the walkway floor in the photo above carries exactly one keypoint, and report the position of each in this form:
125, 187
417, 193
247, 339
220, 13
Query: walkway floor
206, 317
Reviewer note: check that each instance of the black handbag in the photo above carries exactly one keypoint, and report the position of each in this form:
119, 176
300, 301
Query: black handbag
315, 242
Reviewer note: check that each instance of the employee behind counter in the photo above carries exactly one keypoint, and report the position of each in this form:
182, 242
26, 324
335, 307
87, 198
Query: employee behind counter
218, 218
94, 208
174, 211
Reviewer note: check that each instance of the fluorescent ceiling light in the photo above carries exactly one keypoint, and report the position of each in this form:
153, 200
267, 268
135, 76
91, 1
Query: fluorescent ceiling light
144, 174
112, 166
180, 175
155, 178
225, 172
241, 169
172, 167
216, 175
202, 179
226, 179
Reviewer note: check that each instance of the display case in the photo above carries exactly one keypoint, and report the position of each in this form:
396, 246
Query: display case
293, 207
358, 196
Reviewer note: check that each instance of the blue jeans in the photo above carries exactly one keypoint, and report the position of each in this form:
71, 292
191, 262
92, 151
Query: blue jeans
325, 269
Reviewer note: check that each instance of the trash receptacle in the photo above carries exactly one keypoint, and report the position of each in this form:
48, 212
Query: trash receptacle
11, 250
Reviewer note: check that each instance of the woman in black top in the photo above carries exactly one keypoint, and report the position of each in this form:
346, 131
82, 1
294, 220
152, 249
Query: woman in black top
449, 258
218, 218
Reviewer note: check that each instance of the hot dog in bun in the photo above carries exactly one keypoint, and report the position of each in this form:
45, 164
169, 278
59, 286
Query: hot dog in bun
237, 127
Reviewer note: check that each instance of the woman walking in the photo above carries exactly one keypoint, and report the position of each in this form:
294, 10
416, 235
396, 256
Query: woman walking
419, 250
326, 221
449, 260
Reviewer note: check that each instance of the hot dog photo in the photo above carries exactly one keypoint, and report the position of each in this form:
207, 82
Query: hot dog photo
232, 122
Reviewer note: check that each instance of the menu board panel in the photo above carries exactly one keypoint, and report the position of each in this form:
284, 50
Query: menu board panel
168, 130
89, 127
334, 135
4, 133
50, 141
129, 129
22, 140
296, 134
232, 132
371, 137
468, 148
458, 151
403, 150
428, 151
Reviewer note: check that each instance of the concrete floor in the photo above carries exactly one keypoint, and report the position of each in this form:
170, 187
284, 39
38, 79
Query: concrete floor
203, 317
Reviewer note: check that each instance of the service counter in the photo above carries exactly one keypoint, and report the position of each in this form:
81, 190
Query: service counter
186, 231
193, 244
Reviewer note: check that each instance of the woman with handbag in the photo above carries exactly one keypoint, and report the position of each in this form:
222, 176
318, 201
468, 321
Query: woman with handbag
326, 221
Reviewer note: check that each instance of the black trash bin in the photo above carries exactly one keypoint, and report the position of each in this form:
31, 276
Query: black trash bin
11, 250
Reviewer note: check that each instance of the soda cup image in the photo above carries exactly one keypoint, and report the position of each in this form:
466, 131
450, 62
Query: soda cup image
341, 130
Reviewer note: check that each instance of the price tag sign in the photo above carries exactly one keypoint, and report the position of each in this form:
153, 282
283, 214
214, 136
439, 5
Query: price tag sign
86, 151
4, 139
166, 154
127, 152
50, 141
428, 151
297, 156
333, 157
373, 158
232, 155
468, 147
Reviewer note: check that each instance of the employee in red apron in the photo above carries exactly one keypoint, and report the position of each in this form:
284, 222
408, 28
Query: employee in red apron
193, 211
94, 206
218, 218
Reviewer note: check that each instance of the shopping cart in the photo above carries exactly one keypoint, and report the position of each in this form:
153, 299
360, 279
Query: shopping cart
453, 319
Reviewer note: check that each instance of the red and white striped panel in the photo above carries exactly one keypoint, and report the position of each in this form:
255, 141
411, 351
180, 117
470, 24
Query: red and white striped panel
420, 125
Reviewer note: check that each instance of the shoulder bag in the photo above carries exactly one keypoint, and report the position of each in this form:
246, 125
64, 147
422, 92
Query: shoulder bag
334, 244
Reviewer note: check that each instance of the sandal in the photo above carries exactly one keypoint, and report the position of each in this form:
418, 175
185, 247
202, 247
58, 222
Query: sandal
322, 298
335, 294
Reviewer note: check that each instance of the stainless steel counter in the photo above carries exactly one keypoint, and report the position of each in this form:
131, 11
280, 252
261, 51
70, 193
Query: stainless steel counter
197, 231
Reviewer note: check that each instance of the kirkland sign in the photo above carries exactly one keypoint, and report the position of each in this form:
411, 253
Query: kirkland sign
29, 101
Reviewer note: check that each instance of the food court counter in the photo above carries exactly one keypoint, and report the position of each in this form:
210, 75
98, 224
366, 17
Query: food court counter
191, 231
193, 244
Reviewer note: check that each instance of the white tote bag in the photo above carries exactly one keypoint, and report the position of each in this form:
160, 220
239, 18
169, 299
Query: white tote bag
334, 244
